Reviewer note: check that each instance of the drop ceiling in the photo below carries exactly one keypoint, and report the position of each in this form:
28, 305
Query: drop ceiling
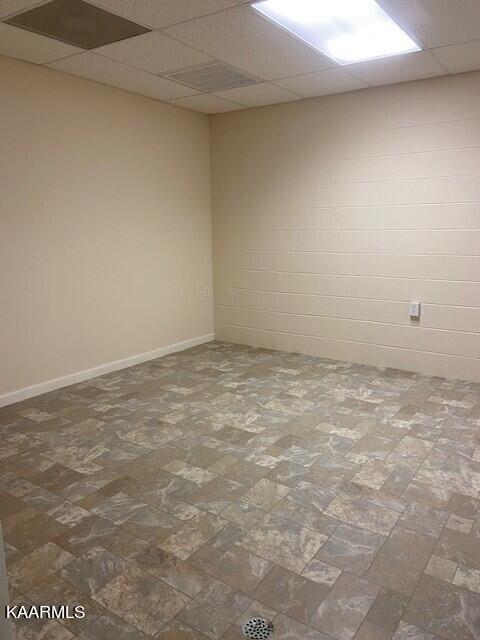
220, 55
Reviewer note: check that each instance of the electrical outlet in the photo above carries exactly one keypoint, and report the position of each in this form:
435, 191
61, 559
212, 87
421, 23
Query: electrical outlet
207, 292
414, 310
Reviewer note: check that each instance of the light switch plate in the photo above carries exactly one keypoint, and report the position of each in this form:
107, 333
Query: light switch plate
414, 309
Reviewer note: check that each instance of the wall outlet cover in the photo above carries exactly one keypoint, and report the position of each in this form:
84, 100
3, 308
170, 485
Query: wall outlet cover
414, 309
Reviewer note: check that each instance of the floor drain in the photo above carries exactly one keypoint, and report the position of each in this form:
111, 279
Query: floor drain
257, 629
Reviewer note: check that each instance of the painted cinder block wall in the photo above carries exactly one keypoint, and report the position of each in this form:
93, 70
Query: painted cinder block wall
331, 214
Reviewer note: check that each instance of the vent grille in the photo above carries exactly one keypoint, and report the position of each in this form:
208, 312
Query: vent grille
212, 76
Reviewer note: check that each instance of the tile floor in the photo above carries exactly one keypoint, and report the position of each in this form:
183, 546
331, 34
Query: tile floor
178, 498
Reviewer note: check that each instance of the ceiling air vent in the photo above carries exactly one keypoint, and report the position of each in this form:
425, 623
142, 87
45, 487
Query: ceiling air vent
212, 76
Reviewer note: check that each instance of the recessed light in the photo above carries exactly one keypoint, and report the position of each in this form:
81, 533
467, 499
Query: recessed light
345, 30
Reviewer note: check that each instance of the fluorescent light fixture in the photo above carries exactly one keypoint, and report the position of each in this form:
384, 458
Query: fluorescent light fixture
345, 30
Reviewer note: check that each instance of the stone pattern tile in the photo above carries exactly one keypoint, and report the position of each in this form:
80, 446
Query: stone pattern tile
177, 498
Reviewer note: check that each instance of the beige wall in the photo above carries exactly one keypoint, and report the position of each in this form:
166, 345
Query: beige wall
331, 214
105, 243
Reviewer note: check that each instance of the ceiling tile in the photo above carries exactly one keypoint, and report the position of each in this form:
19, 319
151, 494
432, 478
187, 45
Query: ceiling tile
202, 32
258, 95
163, 13
246, 40
207, 103
32, 47
321, 83
154, 52
459, 57
95, 67
437, 22
10, 7
409, 66
76, 22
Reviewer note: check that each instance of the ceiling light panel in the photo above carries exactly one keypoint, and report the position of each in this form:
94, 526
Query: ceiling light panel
344, 30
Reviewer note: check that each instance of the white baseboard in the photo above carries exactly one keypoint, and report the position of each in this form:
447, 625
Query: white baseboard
87, 374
